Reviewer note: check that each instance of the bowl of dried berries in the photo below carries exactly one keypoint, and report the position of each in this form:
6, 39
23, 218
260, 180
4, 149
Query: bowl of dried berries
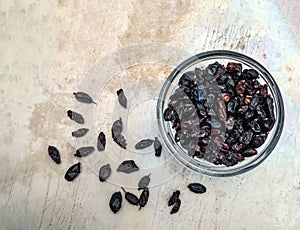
220, 113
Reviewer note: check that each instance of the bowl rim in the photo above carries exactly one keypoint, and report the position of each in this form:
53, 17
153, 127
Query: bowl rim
188, 161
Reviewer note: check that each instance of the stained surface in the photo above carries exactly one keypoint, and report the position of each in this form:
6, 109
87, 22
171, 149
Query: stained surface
50, 47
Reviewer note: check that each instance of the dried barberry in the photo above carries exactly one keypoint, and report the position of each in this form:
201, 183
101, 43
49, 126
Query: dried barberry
73, 172
115, 202
128, 166
54, 154
83, 97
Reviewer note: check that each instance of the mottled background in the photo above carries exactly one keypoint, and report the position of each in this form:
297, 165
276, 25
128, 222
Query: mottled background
49, 47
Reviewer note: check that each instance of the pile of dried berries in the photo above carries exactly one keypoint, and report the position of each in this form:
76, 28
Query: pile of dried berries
221, 114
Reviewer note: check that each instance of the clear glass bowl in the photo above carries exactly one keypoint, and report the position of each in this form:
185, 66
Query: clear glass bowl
202, 60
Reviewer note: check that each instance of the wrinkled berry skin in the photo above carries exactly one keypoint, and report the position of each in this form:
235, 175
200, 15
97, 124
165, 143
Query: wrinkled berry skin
104, 172
144, 198
131, 198
115, 202
143, 144
174, 198
101, 142
78, 118
128, 166
73, 172
122, 98
83, 97
144, 182
176, 207
197, 188
80, 132
54, 154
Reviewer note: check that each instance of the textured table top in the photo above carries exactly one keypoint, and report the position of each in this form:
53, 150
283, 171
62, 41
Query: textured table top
49, 49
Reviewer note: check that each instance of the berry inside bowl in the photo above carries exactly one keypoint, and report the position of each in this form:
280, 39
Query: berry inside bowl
220, 113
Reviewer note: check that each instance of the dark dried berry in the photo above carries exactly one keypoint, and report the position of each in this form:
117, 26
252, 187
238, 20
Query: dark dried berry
174, 198
120, 140
84, 97
256, 85
242, 109
131, 198
254, 102
75, 117
249, 152
261, 112
116, 130
117, 127
73, 172
54, 154
144, 144
84, 151
255, 126
177, 136
237, 147
239, 157
197, 188
240, 87
157, 147
144, 198
232, 106
80, 132
176, 207
230, 124
249, 114
270, 107
267, 124
235, 134
258, 140
213, 69
168, 114
252, 74
264, 90
101, 142
115, 202
249, 89
246, 137
239, 126
187, 79
122, 98
128, 166
104, 172
233, 67
144, 182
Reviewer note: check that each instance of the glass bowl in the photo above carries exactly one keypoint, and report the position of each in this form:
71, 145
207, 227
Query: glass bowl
200, 165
